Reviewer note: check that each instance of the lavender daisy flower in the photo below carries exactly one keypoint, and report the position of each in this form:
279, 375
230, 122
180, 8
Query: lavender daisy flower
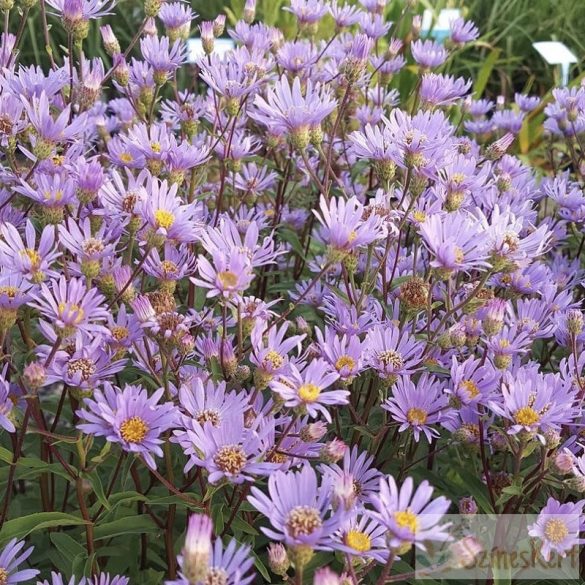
11, 557
391, 353
70, 307
409, 515
230, 273
418, 406
163, 57
230, 564
129, 417
558, 527
102, 579
344, 15
535, 402
308, 12
455, 242
270, 356
177, 264
177, 19
166, 216
230, 452
344, 354
378, 145
358, 466
344, 227
442, 90
289, 111
472, 383
463, 31
364, 537
299, 511
428, 54
32, 262
306, 389
6, 406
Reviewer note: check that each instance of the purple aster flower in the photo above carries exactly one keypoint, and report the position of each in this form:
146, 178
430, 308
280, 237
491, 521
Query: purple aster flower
231, 273
456, 243
442, 90
177, 18
409, 515
374, 25
307, 11
166, 215
343, 353
298, 509
87, 9
70, 307
26, 259
49, 131
231, 564
344, 227
359, 467
378, 145
270, 355
102, 579
364, 537
52, 193
526, 103
472, 383
129, 417
535, 402
558, 527
508, 120
230, 452
418, 406
463, 31
289, 111
306, 389
11, 557
428, 54
391, 352
254, 180
177, 264
163, 57
84, 367
344, 15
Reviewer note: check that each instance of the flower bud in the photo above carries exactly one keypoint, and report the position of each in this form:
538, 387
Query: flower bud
197, 549
333, 451
207, 36
111, 44
313, 432
468, 506
325, 576
249, 11
574, 321
34, 375
564, 461
278, 560
344, 493
218, 25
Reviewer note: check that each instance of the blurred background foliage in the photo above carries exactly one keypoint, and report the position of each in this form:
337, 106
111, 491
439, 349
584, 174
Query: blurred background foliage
503, 55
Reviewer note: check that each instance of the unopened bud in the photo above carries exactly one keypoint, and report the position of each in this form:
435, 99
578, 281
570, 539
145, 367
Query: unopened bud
333, 451
278, 560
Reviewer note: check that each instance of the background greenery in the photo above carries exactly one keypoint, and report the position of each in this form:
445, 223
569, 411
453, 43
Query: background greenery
508, 29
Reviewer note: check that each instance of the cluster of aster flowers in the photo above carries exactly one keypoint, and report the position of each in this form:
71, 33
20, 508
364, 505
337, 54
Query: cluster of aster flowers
263, 315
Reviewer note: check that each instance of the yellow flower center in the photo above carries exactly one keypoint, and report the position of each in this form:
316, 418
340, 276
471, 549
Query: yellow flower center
133, 430
470, 387
556, 531
3, 576
126, 157
406, 519
119, 332
526, 416
309, 392
458, 178
231, 459
33, 256
155, 147
227, 278
352, 236
274, 358
419, 215
459, 255
358, 540
302, 521
345, 361
208, 415
164, 219
416, 416
169, 268
10, 292
70, 308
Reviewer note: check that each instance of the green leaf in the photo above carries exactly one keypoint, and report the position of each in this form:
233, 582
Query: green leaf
98, 488
131, 525
25, 525
484, 73
261, 568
